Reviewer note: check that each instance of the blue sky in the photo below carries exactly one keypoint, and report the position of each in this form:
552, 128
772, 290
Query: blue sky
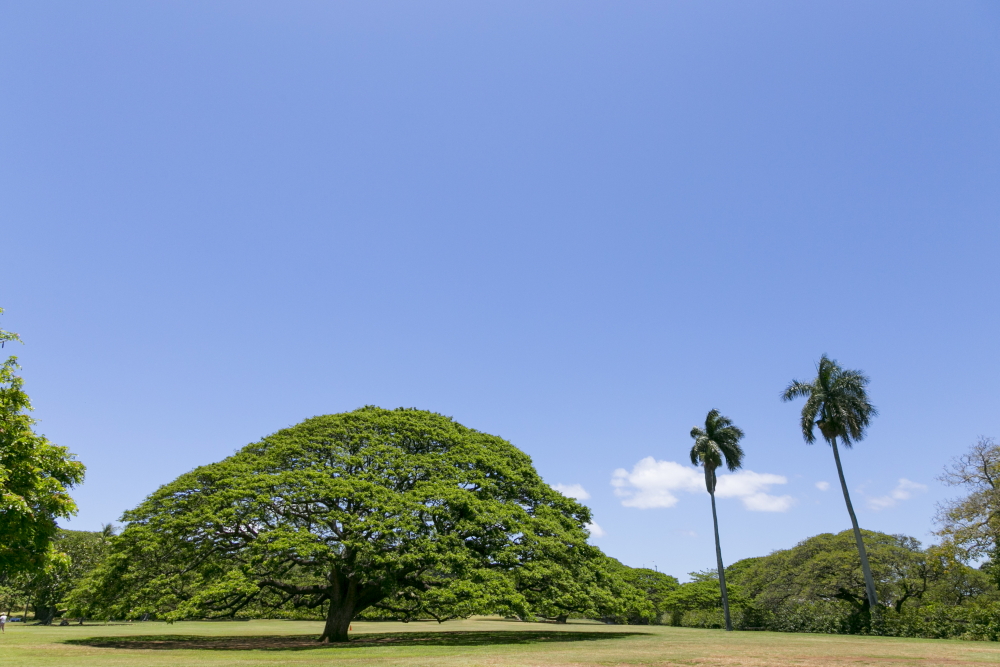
578, 225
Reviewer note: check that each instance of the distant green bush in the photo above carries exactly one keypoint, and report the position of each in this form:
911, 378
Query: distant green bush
817, 586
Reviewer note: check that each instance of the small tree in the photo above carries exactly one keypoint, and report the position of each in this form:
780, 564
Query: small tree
654, 587
342, 513
972, 523
703, 596
719, 440
35, 478
47, 589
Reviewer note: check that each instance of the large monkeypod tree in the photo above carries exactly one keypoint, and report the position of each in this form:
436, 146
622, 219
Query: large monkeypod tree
342, 513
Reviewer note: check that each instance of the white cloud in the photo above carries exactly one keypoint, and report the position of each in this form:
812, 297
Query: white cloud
595, 530
653, 483
823, 486
572, 491
904, 491
752, 487
764, 502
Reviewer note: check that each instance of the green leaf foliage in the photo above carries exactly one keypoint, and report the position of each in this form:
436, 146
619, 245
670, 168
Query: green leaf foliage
836, 401
827, 567
655, 587
819, 586
45, 590
401, 510
558, 585
972, 523
718, 440
35, 478
698, 602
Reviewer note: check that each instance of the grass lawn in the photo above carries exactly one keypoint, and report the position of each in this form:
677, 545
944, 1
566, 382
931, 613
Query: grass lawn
489, 642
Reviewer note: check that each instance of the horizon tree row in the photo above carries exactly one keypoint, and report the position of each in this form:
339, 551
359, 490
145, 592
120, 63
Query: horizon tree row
388, 512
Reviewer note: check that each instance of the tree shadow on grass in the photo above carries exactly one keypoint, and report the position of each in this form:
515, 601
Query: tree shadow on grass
304, 642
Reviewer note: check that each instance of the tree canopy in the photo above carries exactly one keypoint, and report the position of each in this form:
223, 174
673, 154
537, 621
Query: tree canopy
702, 593
586, 584
972, 523
368, 509
818, 586
35, 478
827, 567
653, 585
720, 439
46, 590
836, 401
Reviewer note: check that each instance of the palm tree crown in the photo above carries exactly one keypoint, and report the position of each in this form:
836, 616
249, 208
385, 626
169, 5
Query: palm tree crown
836, 402
719, 440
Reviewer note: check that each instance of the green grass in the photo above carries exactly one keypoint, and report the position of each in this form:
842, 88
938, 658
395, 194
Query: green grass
486, 642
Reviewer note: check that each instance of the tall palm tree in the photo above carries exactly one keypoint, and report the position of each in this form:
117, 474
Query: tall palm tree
719, 439
836, 402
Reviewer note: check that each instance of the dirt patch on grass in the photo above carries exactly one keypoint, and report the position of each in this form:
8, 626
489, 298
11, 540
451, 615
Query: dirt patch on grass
304, 642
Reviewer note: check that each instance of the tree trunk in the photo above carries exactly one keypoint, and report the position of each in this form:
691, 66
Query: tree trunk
562, 618
865, 568
338, 622
345, 601
710, 483
44, 615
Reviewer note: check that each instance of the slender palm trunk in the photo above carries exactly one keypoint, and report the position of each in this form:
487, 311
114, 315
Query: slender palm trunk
718, 560
865, 568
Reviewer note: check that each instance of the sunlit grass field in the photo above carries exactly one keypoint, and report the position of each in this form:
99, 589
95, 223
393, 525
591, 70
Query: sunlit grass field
490, 642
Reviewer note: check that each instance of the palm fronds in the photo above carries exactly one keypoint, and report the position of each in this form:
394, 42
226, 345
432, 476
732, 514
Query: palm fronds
718, 441
836, 401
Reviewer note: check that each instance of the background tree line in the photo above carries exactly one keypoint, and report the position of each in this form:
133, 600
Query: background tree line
816, 586
407, 514
42, 592
951, 589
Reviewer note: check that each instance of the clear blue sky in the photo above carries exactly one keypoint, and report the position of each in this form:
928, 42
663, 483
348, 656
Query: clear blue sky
578, 225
